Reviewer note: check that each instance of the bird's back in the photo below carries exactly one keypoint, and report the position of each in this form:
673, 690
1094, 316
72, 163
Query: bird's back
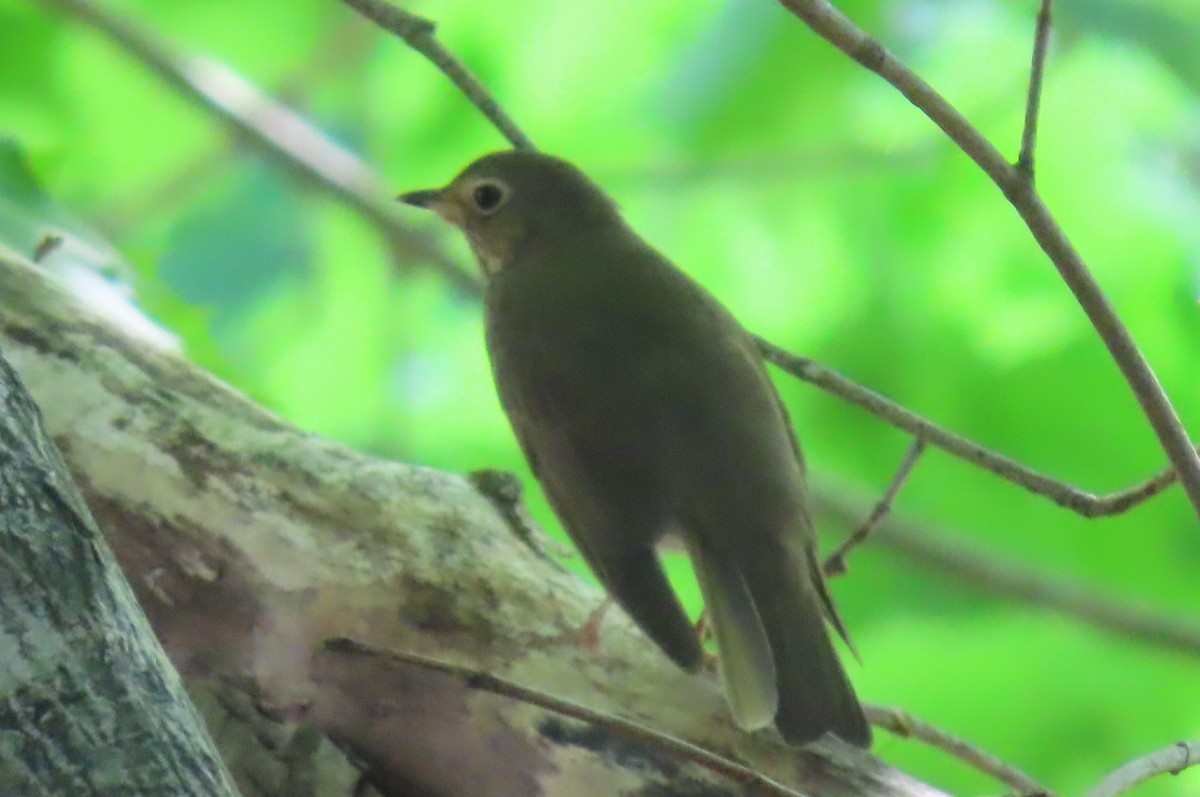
617, 326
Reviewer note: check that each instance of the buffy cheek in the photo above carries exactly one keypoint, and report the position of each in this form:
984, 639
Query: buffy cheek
491, 256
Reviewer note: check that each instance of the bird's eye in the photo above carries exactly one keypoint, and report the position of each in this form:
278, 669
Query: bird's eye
488, 196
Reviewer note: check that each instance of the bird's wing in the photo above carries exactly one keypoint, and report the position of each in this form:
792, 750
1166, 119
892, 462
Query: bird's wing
601, 478
758, 429
815, 562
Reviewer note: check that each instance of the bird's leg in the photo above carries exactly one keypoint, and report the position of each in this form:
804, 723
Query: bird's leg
705, 632
589, 633
702, 629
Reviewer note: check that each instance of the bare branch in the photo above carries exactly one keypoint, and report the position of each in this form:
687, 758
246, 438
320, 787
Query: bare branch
477, 679
836, 28
340, 50
1173, 759
931, 549
835, 565
902, 723
417, 33
897, 721
1033, 102
274, 130
1061, 493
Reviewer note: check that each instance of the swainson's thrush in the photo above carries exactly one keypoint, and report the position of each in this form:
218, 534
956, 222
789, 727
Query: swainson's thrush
645, 410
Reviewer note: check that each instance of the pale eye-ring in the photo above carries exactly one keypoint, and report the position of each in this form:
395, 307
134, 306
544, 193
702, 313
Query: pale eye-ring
489, 196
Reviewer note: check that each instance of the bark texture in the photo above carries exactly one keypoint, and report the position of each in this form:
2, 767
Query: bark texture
89, 705
249, 542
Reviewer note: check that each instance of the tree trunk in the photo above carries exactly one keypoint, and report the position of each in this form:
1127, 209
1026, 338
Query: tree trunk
89, 704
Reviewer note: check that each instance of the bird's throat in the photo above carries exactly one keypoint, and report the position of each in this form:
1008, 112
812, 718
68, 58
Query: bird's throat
491, 256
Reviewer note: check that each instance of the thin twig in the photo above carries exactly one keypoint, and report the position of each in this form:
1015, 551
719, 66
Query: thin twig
836, 28
274, 130
1033, 101
477, 679
417, 33
894, 720
835, 565
1061, 493
931, 549
901, 723
1173, 759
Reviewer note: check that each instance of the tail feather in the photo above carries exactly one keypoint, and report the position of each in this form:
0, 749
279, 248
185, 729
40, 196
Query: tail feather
815, 694
747, 666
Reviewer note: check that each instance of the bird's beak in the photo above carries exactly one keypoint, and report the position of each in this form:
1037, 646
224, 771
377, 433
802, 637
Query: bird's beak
435, 199
427, 198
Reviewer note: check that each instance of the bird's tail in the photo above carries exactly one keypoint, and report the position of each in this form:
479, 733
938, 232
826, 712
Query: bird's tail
747, 667
815, 694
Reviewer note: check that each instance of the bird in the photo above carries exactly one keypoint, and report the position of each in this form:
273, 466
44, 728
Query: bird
644, 409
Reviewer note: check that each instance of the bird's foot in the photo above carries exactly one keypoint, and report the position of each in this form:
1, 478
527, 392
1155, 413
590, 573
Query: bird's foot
589, 633
704, 632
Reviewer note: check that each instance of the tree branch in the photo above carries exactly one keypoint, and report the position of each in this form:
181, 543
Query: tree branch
838, 30
931, 549
1061, 493
340, 51
897, 721
1173, 759
417, 33
835, 563
901, 723
275, 131
1033, 101
477, 679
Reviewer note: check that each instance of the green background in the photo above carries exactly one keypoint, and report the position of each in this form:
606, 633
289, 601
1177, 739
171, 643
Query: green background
830, 215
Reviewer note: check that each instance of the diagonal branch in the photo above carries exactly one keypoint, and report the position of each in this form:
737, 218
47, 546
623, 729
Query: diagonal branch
487, 682
417, 33
903, 724
335, 54
274, 130
1018, 189
1061, 493
897, 721
1066, 495
172, 460
835, 563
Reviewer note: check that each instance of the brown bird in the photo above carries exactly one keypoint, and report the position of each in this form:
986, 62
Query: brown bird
646, 412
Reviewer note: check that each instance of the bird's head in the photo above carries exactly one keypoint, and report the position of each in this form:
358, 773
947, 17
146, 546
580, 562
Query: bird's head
508, 202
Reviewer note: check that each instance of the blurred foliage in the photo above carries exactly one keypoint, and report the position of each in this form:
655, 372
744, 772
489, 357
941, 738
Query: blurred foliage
827, 212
